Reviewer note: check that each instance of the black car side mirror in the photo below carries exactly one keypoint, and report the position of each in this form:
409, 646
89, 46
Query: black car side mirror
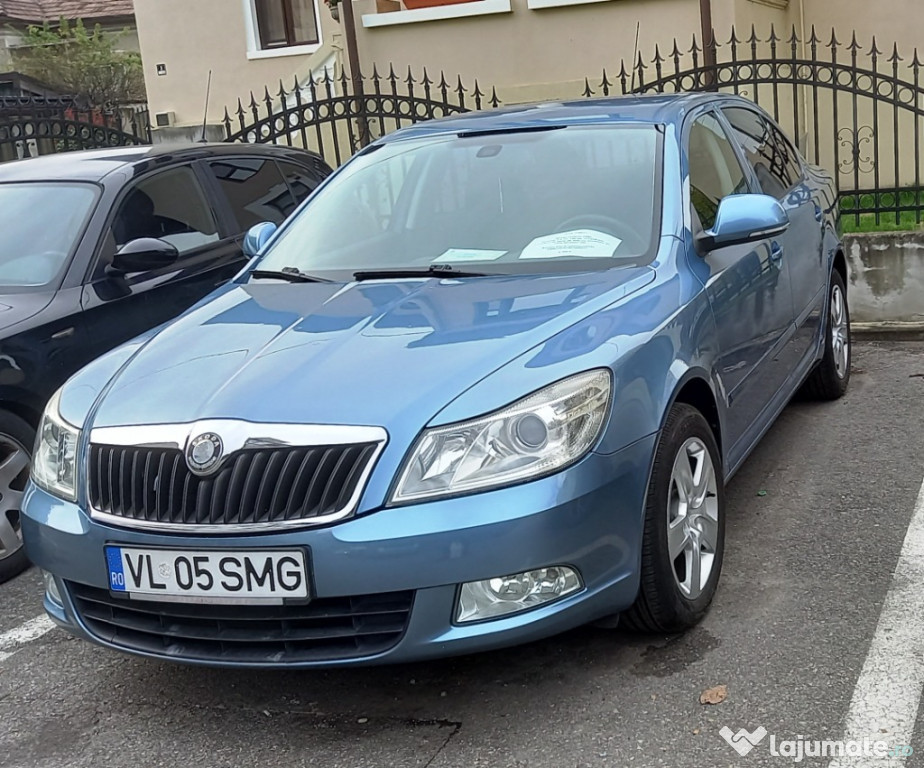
142, 255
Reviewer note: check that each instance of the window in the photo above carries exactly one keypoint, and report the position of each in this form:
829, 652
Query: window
301, 181
284, 23
715, 171
255, 188
170, 206
530, 202
41, 225
768, 152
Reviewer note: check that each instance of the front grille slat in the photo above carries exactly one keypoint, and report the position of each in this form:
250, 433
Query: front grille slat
253, 487
158, 483
280, 498
322, 629
335, 479
296, 503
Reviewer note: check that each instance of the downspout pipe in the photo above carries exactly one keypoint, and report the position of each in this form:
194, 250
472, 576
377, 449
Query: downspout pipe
709, 47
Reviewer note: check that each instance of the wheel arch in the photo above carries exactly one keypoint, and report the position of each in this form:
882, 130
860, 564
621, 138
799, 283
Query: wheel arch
694, 390
839, 265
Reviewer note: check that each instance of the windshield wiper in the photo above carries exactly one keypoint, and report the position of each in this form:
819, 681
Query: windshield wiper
434, 270
291, 274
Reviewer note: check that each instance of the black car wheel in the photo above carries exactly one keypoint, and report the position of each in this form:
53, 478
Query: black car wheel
15, 436
684, 537
831, 376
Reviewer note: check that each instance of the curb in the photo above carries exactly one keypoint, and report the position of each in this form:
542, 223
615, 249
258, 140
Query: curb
888, 331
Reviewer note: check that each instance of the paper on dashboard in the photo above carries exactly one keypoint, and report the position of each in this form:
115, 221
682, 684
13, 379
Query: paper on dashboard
586, 243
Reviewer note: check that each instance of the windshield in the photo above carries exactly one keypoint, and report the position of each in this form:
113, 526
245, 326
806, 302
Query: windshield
40, 224
549, 200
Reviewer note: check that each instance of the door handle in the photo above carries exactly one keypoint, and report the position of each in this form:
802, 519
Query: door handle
776, 253
65, 334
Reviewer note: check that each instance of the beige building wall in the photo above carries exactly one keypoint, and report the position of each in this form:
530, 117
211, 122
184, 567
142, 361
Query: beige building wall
529, 54
190, 38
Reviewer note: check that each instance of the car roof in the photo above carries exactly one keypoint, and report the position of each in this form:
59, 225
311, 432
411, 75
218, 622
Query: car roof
652, 109
95, 164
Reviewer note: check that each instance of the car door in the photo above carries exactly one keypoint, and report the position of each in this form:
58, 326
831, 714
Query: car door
747, 285
171, 205
780, 173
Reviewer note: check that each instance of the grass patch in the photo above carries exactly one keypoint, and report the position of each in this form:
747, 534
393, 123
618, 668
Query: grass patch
907, 220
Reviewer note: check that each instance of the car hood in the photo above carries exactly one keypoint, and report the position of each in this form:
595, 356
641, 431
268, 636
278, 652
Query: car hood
371, 353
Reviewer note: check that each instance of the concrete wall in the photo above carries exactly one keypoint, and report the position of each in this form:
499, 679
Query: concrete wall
886, 278
191, 38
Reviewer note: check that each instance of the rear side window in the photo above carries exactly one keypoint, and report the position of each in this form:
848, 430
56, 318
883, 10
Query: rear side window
715, 171
768, 152
255, 188
301, 181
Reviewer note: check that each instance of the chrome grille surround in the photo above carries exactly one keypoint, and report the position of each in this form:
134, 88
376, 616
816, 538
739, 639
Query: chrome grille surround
237, 437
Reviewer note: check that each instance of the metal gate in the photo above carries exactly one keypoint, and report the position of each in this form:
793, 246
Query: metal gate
336, 116
856, 110
39, 126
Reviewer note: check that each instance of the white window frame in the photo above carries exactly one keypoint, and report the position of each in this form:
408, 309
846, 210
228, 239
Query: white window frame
437, 13
535, 5
254, 51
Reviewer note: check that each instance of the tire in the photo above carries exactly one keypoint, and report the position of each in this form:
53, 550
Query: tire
670, 598
16, 442
831, 376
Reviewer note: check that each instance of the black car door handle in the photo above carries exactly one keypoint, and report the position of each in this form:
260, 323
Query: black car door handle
63, 334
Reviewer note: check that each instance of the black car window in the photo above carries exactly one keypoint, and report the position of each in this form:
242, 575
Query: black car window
715, 171
768, 152
301, 181
170, 206
255, 188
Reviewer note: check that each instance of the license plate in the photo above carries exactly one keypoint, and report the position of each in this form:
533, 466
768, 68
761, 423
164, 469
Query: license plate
208, 576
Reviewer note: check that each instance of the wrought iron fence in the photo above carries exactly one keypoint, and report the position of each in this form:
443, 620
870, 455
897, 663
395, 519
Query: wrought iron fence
31, 126
858, 111
336, 116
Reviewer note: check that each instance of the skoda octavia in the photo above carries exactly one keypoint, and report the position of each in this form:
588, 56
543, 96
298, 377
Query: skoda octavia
486, 385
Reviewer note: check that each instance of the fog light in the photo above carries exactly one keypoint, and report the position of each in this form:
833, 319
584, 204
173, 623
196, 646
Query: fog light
508, 594
51, 589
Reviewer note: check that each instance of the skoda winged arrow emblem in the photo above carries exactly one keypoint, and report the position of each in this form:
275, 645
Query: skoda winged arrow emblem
203, 453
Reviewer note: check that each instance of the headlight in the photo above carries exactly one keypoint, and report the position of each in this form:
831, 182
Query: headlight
54, 464
535, 436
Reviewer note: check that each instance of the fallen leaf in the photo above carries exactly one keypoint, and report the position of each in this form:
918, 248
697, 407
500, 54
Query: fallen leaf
715, 695
696, 731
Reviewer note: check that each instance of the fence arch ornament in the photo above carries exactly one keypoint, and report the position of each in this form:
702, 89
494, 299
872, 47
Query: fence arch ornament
857, 110
30, 126
336, 116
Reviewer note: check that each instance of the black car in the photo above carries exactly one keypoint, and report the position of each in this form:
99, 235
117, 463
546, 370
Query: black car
97, 247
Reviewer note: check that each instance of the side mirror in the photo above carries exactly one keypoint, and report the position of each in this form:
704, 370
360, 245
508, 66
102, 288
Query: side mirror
744, 219
142, 255
258, 236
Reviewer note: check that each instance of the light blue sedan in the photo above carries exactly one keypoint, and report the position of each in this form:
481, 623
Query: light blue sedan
488, 384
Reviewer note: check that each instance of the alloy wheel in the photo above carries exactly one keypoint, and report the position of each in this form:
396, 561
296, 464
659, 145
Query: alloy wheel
692, 518
840, 332
14, 471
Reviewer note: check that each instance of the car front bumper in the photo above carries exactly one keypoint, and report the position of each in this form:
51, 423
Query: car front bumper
588, 517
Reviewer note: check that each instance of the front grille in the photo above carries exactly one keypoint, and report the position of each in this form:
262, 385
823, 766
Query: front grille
271, 486
325, 629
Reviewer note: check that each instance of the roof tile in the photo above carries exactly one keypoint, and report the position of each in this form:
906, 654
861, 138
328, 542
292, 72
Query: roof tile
52, 10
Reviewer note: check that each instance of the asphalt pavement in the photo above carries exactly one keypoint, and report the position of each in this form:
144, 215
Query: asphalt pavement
817, 521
